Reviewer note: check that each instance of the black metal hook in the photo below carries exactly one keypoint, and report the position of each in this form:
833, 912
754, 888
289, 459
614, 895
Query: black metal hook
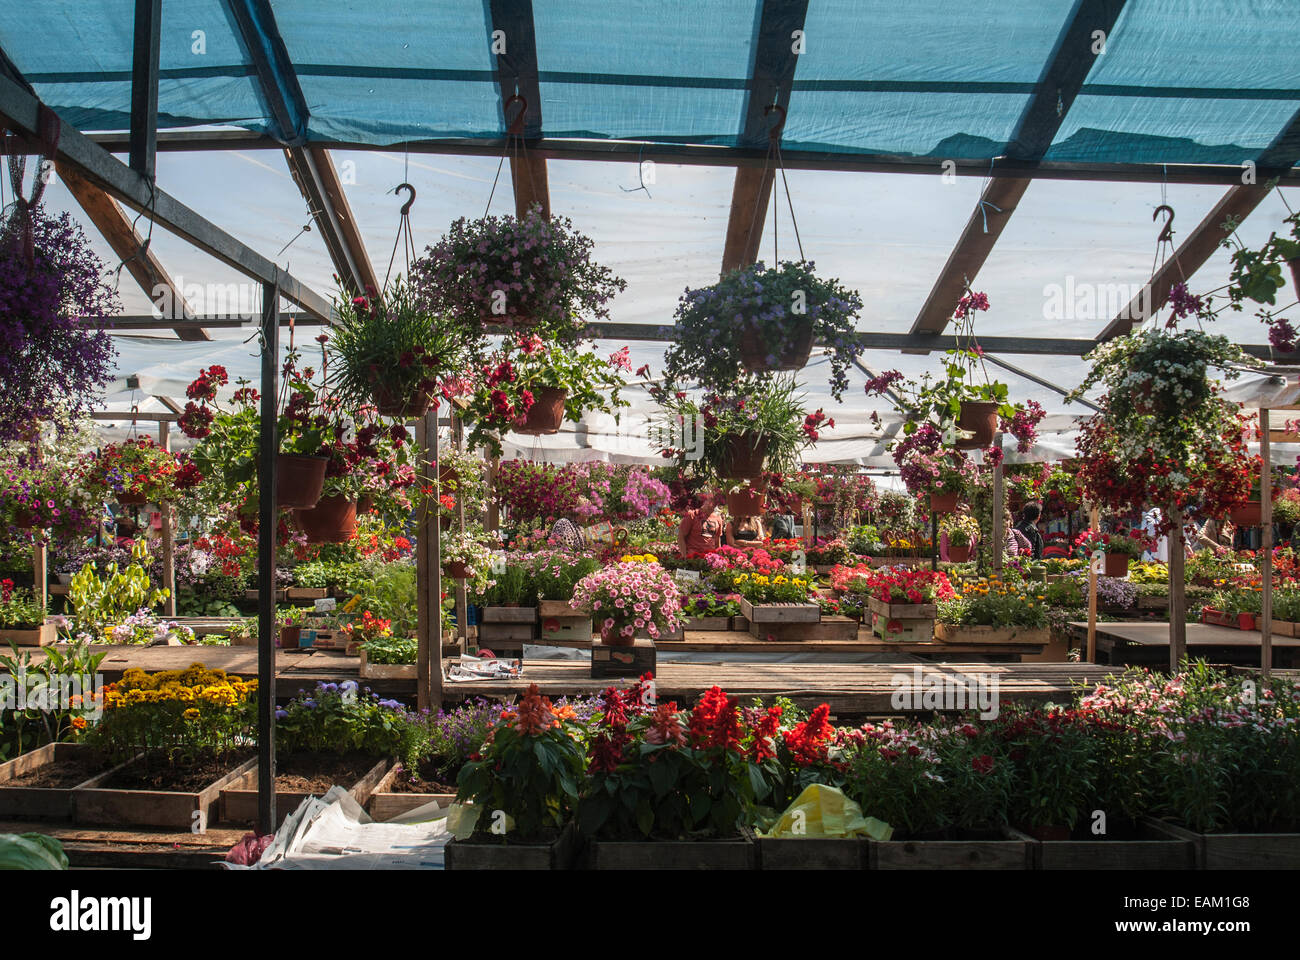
775, 132
516, 128
406, 207
1168, 232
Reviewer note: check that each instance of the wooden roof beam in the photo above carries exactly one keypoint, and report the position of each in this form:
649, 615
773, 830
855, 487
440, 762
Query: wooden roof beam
514, 41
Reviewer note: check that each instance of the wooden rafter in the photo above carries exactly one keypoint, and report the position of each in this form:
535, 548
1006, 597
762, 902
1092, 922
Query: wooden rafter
116, 227
511, 21
770, 82
1042, 117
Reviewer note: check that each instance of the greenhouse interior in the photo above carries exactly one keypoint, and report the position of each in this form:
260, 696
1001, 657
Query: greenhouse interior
502, 435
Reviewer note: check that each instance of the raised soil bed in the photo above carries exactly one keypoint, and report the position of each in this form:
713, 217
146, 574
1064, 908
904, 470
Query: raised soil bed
300, 776
41, 636
1242, 851
396, 794
39, 784
558, 854
812, 853
141, 795
740, 853
963, 633
1149, 845
387, 671
998, 850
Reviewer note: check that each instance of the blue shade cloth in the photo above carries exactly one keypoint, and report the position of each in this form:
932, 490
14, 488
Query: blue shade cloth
1181, 81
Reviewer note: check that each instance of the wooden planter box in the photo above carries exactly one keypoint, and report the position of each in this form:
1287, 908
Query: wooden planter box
780, 612
1238, 621
253, 595
1241, 851
41, 636
1153, 603
903, 611
45, 803
962, 633
902, 631
709, 623
153, 808
560, 620
239, 799
738, 854
1285, 628
621, 660
812, 853
385, 805
507, 627
306, 593
1007, 853
842, 629
1155, 847
559, 608
560, 854
510, 615
387, 671
739, 623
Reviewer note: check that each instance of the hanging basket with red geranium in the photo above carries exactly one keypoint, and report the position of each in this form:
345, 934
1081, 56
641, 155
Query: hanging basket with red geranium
138, 471
529, 386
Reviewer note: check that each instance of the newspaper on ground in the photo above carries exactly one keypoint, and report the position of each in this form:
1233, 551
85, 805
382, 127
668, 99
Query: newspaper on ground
333, 832
469, 668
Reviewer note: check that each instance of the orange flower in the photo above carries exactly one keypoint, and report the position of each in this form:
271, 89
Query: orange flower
535, 713
78, 723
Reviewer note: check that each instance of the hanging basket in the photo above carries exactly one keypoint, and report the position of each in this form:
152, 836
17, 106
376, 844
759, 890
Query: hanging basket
944, 502
547, 412
1116, 564
299, 480
743, 455
958, 554
456, 570
131, 499
518, 321
404, 408
1248, 514
747, 503
332, 520
981, 418
755, 350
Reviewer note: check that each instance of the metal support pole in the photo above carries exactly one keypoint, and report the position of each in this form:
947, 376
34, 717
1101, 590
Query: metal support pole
1266, 548
168, 544
269, 446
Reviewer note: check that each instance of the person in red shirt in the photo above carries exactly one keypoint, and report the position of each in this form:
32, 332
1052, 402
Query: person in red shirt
701, 529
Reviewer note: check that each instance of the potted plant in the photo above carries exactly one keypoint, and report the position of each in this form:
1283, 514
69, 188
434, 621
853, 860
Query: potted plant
760, 320
22, 617
289, 620
495, 273
530, 386
392, 350
519, 791
138, 471
628, 599
464, 557
1118, 549
944, 477
963, 532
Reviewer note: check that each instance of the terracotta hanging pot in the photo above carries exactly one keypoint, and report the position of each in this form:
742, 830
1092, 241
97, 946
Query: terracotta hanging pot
747, 502
365, 505
743, 455
391, 404
1248, 514
612, 637
1116, 564
944, 502
131, 499
332, 520
299, 480
517, 320
981, 418
456, 570
547, 412
958, 554
755, 350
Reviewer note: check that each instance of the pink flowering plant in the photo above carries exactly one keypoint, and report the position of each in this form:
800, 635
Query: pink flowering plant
628, 597
533, 272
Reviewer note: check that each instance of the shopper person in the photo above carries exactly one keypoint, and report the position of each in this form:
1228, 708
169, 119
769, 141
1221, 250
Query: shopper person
701, 529
744, 531
1028, 528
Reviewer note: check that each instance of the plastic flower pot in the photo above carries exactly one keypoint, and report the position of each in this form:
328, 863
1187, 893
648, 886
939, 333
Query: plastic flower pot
1249, 514
131, 499
547, 412
747, 503
332, 520
980, 417
299, 481
743, 455
390, 404
1116, 564
290, 637
958, 554
755, 350
456, 570
944, 502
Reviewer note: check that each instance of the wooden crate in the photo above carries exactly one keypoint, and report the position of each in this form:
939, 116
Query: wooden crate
473, 855
559, 608
1285, 628
963, 633
385, 804
516, 615
812, 853
1241, 851
45, 803
902, 631
1154, 847
614, 661
740, 624
1004, 853
92, 803
738, 854
1153, 603
903, 611
564, 628
839, 629
306, 593
280, 595
239, 799
709, 623
387, 671
780, 612
42, 636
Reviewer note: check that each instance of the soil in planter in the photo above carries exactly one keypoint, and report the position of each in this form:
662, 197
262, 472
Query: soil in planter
186, 775
426, 780
61, 775
317, 772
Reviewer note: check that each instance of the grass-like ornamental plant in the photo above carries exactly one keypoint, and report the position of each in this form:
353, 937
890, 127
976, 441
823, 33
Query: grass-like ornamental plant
775, 312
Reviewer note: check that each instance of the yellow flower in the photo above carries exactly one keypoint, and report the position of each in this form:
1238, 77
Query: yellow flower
191, 714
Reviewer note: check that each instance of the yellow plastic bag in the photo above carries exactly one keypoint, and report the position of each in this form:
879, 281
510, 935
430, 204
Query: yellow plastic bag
822, 811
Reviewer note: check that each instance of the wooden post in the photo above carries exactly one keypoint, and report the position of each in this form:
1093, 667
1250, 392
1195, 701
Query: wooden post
268, 447
1177, 593
807, 524
999, 496
40, 558
428, 576
493, 510
1266, 533
169, 547
1092, 591
462, 598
